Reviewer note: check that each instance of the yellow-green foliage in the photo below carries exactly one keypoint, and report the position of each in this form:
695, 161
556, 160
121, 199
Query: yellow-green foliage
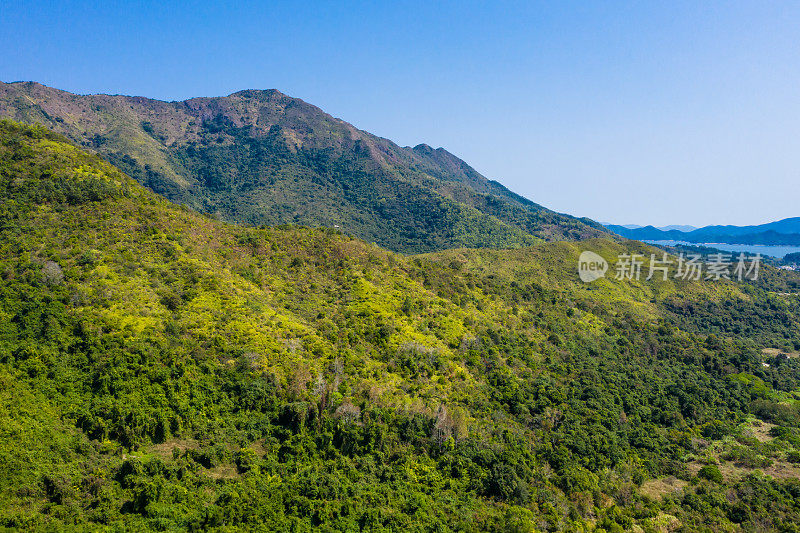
163, 370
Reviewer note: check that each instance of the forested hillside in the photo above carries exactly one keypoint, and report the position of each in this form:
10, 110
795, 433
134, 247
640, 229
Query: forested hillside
162, 370
264, 158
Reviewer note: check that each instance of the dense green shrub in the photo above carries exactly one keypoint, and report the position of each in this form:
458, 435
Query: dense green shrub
711, 473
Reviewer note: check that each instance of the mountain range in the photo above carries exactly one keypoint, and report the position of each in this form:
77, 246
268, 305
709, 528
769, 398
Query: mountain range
179, 351
782, 232
164, 371
264, 158
678, 227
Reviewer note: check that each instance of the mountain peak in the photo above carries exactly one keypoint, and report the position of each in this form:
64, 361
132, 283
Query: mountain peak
256, 93
264, 158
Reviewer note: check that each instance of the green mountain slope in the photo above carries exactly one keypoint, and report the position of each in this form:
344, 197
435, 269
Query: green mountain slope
161, 370
263, 158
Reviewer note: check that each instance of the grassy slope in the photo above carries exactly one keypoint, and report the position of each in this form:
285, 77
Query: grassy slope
189, 373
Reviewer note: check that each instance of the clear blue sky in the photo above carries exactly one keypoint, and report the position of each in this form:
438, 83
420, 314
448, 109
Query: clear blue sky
634, 112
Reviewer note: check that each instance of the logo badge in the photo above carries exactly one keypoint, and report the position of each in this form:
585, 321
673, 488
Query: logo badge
591, 266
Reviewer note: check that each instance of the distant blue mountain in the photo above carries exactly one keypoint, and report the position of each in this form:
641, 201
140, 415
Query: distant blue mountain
677, 227
782, 232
